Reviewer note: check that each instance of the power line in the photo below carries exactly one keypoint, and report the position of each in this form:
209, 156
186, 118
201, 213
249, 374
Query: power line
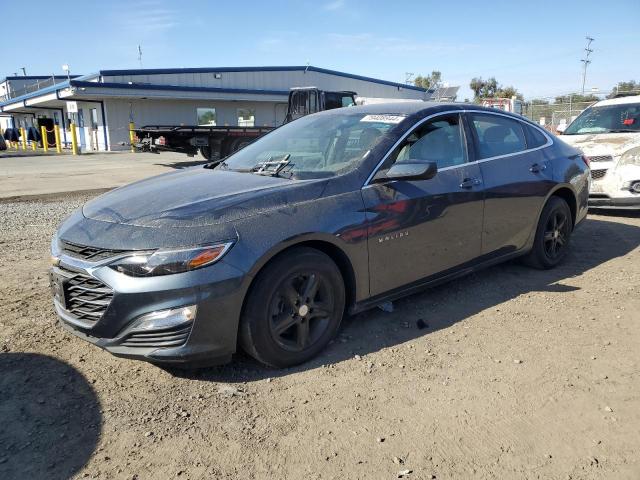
585, 61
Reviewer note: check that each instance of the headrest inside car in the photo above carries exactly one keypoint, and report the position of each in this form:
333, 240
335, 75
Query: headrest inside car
496, 133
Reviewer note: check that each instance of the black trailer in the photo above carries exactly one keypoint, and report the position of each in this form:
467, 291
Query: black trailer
215, 142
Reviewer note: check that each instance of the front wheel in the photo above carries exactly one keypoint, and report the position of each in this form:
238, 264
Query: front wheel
551, 243
293, 309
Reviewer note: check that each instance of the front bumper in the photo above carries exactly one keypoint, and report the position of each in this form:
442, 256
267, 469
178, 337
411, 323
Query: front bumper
217, 291
611, 186
602, 201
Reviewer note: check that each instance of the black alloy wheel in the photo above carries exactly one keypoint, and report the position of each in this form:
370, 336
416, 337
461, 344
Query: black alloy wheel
293, 308
556, 234
551, 243
301, 310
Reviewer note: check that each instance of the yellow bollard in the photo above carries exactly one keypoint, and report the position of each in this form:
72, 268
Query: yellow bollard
132, 137
23, 138
74, 139
56, 132
45, 140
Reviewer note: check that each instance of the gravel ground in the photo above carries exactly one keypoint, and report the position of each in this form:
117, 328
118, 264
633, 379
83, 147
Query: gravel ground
507, 373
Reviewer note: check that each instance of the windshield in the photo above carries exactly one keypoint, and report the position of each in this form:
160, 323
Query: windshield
607, 119
316, 145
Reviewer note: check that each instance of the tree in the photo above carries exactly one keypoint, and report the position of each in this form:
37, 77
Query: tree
576, 98
476, 86
508, 92
539, 101
631, 87
429, 81
491, 88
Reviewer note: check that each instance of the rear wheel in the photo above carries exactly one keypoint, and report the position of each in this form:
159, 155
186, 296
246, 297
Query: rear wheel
293, 309
551, 243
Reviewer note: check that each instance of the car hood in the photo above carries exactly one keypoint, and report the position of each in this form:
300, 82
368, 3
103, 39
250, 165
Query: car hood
613, 144
197, 196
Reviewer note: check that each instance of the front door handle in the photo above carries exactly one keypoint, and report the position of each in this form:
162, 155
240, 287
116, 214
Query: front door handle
470, 182
537, 168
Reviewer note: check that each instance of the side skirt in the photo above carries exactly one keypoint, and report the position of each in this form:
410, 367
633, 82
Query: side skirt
432, 281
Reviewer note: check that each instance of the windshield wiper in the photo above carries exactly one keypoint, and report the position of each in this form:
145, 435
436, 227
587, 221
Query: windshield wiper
215, 164
272, 168
623, 130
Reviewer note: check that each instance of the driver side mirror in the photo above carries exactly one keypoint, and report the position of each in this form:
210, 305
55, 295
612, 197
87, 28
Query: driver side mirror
409, 170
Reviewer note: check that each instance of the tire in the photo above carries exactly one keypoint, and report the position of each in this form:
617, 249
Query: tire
205, 151
551, 243
293, 309
239, 144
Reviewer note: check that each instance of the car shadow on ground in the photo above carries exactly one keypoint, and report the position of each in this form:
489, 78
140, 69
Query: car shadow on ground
181, 165
596, 241
50, 419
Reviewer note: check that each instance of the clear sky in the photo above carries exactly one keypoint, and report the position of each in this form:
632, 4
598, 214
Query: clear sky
534, 45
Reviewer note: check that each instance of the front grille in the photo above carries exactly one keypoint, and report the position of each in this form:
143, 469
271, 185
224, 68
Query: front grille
158, 338
601, 158
86, 298
88, 253
598, 174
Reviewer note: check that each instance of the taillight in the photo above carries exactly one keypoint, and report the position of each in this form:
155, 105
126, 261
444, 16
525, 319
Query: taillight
586, 161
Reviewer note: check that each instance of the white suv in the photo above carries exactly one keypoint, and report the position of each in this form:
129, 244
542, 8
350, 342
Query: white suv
608, 132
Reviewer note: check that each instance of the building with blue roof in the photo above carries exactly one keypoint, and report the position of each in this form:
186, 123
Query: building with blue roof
103, 104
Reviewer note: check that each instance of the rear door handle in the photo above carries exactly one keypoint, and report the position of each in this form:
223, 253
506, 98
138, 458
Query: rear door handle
537, 168
470, 183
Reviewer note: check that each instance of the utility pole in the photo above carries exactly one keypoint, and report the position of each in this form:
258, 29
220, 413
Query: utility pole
24, 71
585, 61
140, 55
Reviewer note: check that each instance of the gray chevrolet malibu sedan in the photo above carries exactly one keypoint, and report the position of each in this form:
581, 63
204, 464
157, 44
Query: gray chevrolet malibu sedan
330, 214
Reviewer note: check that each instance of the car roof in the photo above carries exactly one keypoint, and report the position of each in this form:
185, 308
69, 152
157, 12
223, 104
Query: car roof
418, 107
618, 101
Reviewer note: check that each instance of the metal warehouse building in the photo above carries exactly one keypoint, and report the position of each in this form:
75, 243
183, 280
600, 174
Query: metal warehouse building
103, 104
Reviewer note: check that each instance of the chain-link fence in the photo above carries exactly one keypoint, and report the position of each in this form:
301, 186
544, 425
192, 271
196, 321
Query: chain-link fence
552, 115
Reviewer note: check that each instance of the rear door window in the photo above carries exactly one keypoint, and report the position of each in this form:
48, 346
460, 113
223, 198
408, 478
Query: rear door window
497, 135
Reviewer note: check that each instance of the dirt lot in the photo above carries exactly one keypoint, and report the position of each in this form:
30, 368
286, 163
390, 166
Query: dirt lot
518, 374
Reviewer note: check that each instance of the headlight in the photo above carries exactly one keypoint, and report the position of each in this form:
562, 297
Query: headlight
630, 157
167, 262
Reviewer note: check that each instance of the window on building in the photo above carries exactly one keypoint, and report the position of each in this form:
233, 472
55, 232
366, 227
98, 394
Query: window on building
246, 117
94, 118
206, 116
497, 135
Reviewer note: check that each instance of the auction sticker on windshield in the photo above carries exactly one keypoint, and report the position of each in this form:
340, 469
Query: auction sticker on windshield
383, 118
